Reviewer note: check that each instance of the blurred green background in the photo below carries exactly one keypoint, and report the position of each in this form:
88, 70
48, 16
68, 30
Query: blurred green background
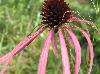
19, 17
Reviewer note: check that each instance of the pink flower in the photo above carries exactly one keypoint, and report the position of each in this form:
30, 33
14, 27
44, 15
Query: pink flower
56, 15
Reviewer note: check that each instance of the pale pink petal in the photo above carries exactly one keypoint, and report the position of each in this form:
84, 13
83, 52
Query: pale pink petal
77, 50
81, 20
4, 68
64, 53
7, 57
90, 46
4, 61
54, 44
20, 46
85, 21
26, 41
44, 54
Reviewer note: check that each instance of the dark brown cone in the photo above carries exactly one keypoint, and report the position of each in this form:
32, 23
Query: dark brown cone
55, 12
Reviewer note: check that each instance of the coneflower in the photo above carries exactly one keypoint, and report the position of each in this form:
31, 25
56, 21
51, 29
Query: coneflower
57, 16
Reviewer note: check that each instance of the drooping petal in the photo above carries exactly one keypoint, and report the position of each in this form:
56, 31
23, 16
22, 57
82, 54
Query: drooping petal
81, 20
4, 68
64, 53
7, 57
54, 44
90, 46
44, 54
77, 50
26, 41
85, 21
20, 46
4, 61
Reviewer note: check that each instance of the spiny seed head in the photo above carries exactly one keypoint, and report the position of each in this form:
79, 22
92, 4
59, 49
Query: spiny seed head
55, 12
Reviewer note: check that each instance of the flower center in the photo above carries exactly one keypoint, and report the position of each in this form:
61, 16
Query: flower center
55, 12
